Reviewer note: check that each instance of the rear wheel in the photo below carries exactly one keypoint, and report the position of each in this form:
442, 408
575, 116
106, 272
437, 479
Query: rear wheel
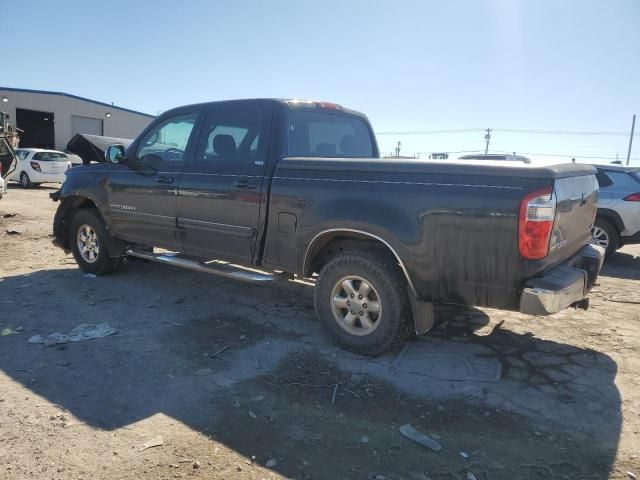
605, 235
25, 181
361, 300
88, 239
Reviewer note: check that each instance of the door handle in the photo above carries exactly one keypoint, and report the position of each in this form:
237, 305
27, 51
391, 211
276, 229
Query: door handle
246, 184
164, 179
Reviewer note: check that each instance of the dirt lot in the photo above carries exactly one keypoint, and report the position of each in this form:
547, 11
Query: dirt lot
233, 376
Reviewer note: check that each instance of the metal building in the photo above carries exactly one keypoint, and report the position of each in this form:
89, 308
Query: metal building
50, 119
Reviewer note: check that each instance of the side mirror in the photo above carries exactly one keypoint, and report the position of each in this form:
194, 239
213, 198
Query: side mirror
114, 153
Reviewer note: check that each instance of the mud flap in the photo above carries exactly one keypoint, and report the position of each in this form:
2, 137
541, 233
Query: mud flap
423, 317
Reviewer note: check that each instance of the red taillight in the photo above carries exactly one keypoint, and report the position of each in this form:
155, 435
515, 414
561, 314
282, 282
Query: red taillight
329, 106
35, 166
634, 197
537, 212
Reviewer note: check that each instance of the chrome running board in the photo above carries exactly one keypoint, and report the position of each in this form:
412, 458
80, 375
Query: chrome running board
221, 269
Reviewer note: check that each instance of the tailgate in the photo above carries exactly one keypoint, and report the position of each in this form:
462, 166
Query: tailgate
576, 205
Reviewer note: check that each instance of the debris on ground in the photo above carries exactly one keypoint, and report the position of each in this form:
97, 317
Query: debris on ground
471, 476
84, 331
87, 276
196, 465
9, 215
13, 232
411, 433
272, 462
632, 475
154, 442
464, 454
364, 439
252, 415
222, 350
9, 331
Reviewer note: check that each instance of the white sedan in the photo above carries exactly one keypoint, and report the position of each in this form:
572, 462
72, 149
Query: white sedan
36, 166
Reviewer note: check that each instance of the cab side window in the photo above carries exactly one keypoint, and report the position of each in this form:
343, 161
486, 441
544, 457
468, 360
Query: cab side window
231, 142
164, 146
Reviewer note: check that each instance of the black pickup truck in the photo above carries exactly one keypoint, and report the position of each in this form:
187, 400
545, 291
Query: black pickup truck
298, 188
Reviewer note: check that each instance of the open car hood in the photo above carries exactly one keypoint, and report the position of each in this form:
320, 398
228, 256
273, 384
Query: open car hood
91, 147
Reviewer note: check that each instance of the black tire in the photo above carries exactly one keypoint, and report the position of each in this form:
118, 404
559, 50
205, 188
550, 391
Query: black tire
607, 233
389, 286
25, 181
103, 264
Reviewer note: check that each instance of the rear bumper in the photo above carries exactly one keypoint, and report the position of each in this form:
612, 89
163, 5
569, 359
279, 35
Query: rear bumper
563, 285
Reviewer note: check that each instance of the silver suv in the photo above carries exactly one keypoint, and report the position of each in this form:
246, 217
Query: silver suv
618, 219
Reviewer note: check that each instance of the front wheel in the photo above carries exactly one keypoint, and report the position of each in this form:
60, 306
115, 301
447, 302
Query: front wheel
361, 300
88, 239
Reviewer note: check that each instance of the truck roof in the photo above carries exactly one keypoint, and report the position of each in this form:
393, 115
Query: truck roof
289, 103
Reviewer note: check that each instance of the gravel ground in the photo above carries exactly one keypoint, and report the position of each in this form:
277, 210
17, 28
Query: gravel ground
238, 381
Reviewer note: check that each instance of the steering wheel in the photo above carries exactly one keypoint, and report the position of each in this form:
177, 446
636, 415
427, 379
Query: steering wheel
176, 153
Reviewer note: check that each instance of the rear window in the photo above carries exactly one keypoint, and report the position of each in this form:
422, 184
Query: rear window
321, 134
50, 157
603, 180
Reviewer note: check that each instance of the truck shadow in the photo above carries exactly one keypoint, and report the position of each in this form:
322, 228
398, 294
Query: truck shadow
207, 352
622, 265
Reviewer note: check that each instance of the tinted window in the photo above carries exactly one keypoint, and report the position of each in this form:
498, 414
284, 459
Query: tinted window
230, 141
623, 180
635, 176
603, 179
321, 134
167, 141
50, 157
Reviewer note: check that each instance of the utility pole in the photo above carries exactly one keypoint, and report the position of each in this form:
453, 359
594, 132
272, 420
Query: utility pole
633, 127
487, 137
398, 149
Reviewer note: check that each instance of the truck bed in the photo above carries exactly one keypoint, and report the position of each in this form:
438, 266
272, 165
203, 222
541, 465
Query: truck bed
454, 225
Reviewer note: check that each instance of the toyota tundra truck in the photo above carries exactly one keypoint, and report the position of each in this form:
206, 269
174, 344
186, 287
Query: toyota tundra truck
267, 190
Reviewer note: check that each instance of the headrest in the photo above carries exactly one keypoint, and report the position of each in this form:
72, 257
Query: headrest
224, 145
348, 145
326, 149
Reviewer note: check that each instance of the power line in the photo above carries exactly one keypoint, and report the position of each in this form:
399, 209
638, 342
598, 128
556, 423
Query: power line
432, 132
507, 130
558, 132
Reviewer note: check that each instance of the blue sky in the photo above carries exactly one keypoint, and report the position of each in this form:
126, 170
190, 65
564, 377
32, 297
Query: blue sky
410, 65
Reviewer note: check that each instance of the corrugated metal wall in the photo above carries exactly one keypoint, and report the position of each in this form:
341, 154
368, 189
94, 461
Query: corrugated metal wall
121, 123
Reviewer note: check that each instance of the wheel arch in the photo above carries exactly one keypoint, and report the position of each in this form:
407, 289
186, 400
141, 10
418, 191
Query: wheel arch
69, 205
328, 243
612, 217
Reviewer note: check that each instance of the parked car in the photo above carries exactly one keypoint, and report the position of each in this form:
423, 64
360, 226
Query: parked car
36, 166
618, 218
299, 188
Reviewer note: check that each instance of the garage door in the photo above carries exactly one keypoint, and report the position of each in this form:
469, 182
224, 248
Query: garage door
92, 126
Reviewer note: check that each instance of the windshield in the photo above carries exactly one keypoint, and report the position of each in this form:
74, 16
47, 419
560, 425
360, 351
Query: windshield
50, 157
322, 134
